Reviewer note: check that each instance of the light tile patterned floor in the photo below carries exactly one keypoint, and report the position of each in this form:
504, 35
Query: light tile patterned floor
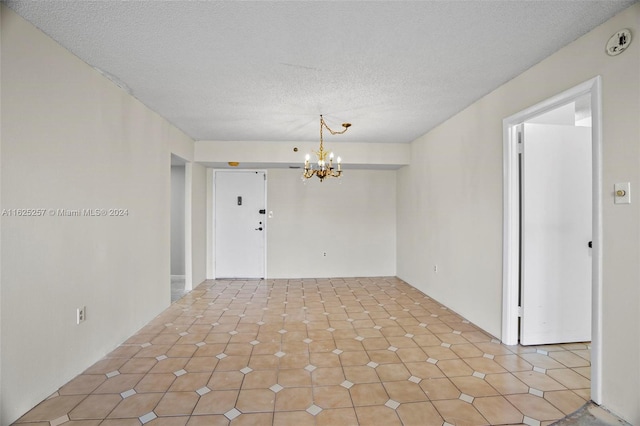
367, 351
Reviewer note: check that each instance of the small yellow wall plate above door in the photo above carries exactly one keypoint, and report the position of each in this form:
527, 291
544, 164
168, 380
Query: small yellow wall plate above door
619, 42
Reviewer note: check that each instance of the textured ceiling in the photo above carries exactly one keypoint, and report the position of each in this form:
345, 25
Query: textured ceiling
239, 70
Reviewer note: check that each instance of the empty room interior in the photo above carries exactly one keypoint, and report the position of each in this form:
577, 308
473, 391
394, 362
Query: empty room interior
319, 213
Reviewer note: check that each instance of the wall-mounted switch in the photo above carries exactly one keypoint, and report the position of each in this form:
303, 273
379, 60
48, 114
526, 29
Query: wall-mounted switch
81, 315
622, 193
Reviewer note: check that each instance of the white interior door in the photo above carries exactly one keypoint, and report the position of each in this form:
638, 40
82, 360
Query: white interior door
240, 224
556, 231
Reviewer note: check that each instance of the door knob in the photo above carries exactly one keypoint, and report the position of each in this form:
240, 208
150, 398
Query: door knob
259, 229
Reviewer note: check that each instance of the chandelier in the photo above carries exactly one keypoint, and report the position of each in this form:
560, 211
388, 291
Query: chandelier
324, 168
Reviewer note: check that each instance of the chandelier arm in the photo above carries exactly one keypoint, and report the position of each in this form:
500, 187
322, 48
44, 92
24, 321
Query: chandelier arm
333, 132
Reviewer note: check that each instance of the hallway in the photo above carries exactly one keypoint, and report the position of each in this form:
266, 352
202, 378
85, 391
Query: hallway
368, 351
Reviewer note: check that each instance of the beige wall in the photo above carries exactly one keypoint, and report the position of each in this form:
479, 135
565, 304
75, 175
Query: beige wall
450, 201
352, 219
73, 140
198, 223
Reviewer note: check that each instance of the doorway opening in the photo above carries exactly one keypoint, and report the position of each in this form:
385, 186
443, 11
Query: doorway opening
180, 225
584, 97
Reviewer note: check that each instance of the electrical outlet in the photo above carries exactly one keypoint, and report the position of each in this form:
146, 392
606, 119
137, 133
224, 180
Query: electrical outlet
435, 268
81, 314
324, 254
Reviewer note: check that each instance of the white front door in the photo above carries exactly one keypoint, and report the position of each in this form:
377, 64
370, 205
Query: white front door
556, 229
240, 224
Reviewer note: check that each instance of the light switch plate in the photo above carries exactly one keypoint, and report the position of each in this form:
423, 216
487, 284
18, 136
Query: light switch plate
625, 197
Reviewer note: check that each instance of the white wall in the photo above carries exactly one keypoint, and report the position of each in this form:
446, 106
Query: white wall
450, 201
450, 216
352, 219
177, 220
281, 154
198, 223
1, 206
73, 140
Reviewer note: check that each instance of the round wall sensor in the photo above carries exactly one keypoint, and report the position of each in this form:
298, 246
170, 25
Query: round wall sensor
619, 42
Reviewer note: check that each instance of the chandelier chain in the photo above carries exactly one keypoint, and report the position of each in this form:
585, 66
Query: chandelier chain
333, 132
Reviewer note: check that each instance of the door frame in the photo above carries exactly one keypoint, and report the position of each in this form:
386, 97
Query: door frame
511, 224
211, 240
